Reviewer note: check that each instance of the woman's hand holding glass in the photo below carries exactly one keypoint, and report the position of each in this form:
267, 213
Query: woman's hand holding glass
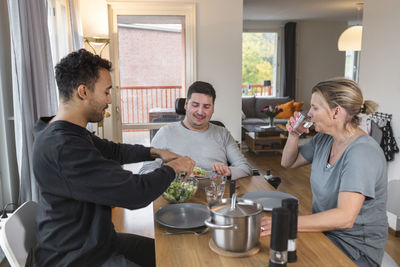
299, 124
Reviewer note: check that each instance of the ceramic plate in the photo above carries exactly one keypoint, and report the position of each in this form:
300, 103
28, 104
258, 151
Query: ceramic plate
183, 215
269, 199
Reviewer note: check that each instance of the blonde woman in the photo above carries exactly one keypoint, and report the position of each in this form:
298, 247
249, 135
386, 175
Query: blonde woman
348, 174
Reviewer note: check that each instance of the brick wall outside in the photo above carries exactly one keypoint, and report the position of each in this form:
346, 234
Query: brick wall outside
150, 57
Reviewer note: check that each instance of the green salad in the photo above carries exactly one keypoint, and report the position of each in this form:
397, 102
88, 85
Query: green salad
179, 191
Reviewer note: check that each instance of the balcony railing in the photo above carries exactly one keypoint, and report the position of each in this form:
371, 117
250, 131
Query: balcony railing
136, 101
256, 89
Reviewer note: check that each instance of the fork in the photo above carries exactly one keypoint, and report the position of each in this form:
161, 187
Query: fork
200, 232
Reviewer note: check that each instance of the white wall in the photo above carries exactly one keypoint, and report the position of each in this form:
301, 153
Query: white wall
380, 77
219, 56
219, 50
317, 55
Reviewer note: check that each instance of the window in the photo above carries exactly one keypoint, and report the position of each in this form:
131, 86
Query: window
260, 63
150, 14
352, 65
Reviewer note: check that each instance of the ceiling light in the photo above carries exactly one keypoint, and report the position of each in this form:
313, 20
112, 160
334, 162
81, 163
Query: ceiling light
350, 39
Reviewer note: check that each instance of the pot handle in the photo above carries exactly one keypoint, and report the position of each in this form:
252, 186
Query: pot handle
217, 226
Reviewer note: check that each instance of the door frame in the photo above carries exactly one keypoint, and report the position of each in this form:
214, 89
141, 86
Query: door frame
116, 8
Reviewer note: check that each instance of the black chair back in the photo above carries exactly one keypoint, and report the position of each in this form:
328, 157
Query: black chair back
180, 106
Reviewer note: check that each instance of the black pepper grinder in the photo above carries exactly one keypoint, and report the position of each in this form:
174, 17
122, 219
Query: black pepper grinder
292, 205
232, 186
279, 237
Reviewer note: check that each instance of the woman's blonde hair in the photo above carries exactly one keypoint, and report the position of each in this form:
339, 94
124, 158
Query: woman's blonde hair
346, 94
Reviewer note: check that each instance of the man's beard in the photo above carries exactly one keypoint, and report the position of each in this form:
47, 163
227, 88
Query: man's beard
96, 116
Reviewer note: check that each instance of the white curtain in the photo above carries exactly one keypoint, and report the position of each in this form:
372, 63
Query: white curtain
76, 25
34, 90
8, 165
76, 33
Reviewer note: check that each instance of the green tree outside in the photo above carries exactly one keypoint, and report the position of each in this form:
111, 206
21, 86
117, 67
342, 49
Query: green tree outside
258, 57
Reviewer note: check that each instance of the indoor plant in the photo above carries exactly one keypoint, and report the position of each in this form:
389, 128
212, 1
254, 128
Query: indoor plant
271, 112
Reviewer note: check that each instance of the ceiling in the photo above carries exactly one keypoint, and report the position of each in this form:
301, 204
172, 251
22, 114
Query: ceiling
284, 10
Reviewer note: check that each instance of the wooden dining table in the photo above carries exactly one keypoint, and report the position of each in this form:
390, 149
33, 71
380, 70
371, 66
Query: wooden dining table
187, 250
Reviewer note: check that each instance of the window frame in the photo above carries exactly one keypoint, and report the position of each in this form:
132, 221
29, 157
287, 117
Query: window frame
277, 89
117, 8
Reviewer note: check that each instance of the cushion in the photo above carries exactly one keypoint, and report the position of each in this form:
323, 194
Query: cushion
248, 103
262, 101
287, 112
298, 105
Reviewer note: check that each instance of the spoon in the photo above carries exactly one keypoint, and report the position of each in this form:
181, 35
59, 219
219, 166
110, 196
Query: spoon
200, 232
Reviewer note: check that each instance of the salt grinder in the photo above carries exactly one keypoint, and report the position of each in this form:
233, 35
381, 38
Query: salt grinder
279, 237
292, 205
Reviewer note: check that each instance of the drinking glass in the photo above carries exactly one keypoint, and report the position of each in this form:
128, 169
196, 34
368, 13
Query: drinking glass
302, 123
218, 180
214, 193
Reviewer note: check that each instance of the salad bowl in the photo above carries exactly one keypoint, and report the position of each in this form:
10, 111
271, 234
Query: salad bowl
180, 191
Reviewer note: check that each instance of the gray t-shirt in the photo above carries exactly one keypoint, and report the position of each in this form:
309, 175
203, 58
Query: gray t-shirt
361, 168
215, 144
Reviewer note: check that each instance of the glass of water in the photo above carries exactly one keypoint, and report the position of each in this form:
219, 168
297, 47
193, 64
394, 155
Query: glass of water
214, 193
302, 123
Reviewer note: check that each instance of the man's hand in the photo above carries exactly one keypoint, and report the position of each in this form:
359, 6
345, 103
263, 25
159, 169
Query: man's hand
221, 169
266, 224
165, 155
182, 164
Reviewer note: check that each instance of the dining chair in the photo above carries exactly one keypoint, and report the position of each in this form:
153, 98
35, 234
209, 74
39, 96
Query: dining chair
17, 234
388, 261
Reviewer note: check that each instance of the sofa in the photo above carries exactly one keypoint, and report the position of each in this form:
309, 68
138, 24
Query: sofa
252, 106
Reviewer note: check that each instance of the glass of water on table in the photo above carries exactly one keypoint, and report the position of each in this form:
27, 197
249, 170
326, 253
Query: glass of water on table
216, 189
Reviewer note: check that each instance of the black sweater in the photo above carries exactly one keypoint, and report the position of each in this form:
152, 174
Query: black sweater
80, 179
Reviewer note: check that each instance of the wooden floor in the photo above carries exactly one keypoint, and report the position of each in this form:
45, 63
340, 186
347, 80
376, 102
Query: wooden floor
264, 161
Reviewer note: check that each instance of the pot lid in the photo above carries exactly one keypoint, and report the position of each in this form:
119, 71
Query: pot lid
237, 208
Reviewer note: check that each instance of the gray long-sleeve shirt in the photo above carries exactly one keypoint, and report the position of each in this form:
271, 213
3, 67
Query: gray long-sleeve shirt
215, 144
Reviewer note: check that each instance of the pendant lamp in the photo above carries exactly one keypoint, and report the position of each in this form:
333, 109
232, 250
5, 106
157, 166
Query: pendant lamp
350, 39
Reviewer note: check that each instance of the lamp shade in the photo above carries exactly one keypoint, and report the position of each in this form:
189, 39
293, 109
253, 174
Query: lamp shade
350, 39
97, 41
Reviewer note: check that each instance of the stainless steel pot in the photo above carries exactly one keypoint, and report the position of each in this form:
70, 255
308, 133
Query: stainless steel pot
235, 224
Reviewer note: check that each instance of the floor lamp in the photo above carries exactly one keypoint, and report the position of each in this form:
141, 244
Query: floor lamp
100, 43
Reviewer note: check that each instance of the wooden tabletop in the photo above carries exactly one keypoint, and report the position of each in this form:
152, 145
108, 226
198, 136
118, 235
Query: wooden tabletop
313, 249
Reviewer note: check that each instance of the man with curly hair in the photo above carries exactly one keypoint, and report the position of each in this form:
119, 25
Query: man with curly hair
80, 176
